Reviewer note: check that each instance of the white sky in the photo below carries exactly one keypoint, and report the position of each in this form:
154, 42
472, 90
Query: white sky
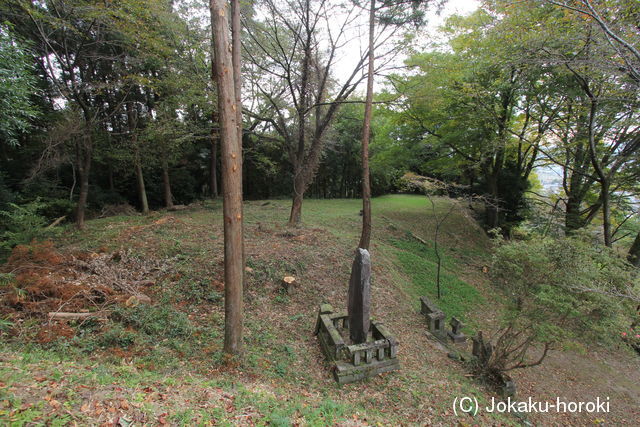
427, 35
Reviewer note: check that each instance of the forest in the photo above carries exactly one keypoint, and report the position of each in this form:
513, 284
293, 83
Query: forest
183, 184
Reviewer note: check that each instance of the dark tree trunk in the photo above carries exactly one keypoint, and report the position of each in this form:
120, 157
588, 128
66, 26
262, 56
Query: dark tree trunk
83, 165
166, 183
572, 217
298, 194
232, 177
213, 168
492, 210
142, 192
605, 198
137, 161
634, 252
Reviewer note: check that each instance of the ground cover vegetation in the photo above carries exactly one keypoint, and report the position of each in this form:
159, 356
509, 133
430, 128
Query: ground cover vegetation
130, 129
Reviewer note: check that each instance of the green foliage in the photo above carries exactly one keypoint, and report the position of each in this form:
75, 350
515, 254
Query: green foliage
565, 287
20, 224
155, 321
420, 263
116, 336
17, 86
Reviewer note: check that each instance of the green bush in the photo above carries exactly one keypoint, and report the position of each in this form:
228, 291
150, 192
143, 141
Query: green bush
19, 224
55, 208
566, 287
155, 321
116, 336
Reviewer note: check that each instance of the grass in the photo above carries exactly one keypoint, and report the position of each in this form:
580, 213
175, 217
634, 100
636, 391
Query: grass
173, 346
70, 380
419, 263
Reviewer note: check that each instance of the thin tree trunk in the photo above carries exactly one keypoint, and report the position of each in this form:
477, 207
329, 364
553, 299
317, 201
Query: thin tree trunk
572, 218
365, 237
634, 252
236, 56
213, 177
605, 197
215, 135
142, 192
604, 182
82, 200
298, 194
137, 161
232, 178
166, 183
83, 162
492, 213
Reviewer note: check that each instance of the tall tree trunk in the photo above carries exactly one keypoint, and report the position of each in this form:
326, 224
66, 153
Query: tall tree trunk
604, 181
137, 161
166, 183
572, 217
213, 168
84, 153
634, 252
236, 56
299, 188
215, 133
605, 197
142, 192
365, 237
232, 177
492, 211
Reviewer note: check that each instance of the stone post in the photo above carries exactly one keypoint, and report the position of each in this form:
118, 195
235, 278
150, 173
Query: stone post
360, 297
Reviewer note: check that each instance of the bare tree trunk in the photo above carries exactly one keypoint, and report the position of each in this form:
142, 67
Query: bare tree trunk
299, 188
166, 183
605, 197
365, 237
492, 212
213, 177
634, 253
604, 182
132, 120
142, 192
232, 178
236, 56
572, 218
215, 134
83, 165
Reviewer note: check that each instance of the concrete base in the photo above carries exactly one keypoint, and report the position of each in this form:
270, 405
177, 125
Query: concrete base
457, 338
358, 361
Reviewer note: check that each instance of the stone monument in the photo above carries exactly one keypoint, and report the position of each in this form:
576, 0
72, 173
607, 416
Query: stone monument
359, 304
356, 347
455, 333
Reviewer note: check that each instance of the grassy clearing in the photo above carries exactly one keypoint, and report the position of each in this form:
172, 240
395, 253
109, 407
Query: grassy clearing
420, 263
163, 361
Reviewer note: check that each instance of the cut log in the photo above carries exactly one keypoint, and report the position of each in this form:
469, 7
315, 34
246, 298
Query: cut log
288, 282
77, 316
177, 208
56, 222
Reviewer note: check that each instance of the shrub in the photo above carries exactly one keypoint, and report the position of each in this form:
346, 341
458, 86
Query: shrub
20, 224
556, 289
155, 321
586, 290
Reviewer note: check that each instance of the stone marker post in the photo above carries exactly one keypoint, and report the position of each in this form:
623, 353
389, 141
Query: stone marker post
360, 297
